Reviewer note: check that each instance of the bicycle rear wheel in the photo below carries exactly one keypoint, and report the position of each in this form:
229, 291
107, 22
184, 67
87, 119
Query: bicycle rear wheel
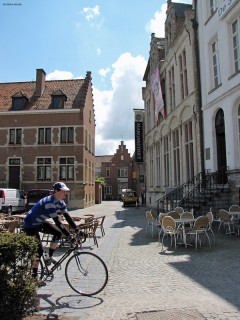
86, 273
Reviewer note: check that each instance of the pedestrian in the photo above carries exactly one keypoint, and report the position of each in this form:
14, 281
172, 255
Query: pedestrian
36, 221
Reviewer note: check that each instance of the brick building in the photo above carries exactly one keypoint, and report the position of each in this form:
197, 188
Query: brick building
47, 134
118, 170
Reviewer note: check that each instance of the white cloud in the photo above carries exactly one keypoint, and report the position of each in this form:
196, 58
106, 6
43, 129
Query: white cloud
157, 24
104, 72
98, 51
114, 109
114, 113
91, 13
61, 75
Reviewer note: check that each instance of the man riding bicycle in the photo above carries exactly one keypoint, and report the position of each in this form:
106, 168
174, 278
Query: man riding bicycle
36, 221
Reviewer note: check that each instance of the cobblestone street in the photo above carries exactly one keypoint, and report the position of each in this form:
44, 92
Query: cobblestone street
146, 283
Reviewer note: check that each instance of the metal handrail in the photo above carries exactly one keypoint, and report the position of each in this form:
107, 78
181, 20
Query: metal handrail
194, 192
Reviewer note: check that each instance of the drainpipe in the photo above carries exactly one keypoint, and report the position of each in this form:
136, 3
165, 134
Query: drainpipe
198, 78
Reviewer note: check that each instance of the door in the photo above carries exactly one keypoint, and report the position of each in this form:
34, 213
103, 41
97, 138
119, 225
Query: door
14, 177
221, 146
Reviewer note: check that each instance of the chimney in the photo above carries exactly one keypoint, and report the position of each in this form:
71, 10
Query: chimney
40, 82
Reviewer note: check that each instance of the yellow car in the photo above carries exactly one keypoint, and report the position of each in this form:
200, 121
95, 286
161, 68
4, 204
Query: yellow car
130, 197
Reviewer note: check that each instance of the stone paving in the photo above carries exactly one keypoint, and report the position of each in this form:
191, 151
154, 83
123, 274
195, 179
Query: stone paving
147, 283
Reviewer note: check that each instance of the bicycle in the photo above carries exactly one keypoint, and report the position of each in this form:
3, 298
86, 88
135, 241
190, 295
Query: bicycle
86, 273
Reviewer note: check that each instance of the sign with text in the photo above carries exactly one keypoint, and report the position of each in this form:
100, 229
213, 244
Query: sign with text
138, 141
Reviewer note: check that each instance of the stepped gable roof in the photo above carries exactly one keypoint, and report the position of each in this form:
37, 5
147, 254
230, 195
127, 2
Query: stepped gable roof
74, 90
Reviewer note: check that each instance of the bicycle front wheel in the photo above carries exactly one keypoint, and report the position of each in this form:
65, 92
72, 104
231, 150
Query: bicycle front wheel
86, 273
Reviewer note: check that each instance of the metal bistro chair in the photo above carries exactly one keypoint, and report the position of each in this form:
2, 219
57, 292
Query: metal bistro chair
179, 210
151, 223
169, 227
160, 218
200, 227
174, 214
100, 224
225, 220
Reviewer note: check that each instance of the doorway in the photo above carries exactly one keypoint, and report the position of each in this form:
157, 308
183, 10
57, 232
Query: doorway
221, 144
14, 174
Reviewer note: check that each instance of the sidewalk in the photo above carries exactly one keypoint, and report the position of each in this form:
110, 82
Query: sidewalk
146, 283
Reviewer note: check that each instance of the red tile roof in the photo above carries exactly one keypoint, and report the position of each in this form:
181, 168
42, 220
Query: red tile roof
74, 90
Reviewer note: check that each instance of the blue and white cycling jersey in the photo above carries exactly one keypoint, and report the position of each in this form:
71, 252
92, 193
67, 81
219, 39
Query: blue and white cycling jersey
46, 208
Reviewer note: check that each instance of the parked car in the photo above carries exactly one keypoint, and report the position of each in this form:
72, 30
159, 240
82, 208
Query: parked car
12, 200
130, 197
34, 195
124, 191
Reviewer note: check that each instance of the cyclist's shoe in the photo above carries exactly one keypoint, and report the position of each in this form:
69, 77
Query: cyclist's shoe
40, 282
50, 261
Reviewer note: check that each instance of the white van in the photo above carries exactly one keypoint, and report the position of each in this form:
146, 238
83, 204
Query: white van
11, 200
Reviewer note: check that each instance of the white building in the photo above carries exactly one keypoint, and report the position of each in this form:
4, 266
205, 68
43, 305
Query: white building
219, 49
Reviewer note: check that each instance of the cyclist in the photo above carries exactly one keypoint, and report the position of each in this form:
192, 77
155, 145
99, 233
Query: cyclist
36, 221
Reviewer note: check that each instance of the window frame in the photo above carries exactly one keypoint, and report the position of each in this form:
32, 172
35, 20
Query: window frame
44, 169
67, 135
67, 168
15, 136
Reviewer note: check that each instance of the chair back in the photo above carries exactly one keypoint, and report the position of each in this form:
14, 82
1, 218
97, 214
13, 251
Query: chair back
234, 208
201, 223
179, 210
187, 214
149, 216
223, 215
174, 214
209, 215
160, 217
154, 213
168, 223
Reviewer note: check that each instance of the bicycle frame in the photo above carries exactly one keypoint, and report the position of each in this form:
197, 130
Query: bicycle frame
50, 270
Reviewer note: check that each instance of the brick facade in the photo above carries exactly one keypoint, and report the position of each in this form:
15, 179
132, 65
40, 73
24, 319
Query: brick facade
40, 144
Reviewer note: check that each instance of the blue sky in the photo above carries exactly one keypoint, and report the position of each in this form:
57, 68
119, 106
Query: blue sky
110, 38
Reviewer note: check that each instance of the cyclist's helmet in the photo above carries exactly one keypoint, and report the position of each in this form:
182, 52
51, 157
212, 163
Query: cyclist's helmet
60, 186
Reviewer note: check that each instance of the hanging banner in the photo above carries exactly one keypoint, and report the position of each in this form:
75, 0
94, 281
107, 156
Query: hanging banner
138, 141
157, 94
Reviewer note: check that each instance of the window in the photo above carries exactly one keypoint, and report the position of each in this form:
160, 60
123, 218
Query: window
189, 150
107, 172
151, 173
183, 75
122, 172
44, 169
44, 136
213, 7
166, 160
215, 64
108, 190
19, 103
66, 168
171, 88
176, 156
15, 136
236, 44
158, 162
67, 134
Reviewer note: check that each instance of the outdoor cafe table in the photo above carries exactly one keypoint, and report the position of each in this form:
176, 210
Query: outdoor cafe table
181, 222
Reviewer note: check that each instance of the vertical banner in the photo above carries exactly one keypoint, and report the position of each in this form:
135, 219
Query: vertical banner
157, 94
138, 141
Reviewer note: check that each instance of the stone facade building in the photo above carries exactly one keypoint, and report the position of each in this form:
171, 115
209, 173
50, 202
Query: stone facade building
219, 50
47, 134
173, 137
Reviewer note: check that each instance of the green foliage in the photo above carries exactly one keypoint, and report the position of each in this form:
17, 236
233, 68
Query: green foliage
102, 180
17, 288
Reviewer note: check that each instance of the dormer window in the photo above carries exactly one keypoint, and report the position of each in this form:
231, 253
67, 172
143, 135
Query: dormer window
58, 99
19, 101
